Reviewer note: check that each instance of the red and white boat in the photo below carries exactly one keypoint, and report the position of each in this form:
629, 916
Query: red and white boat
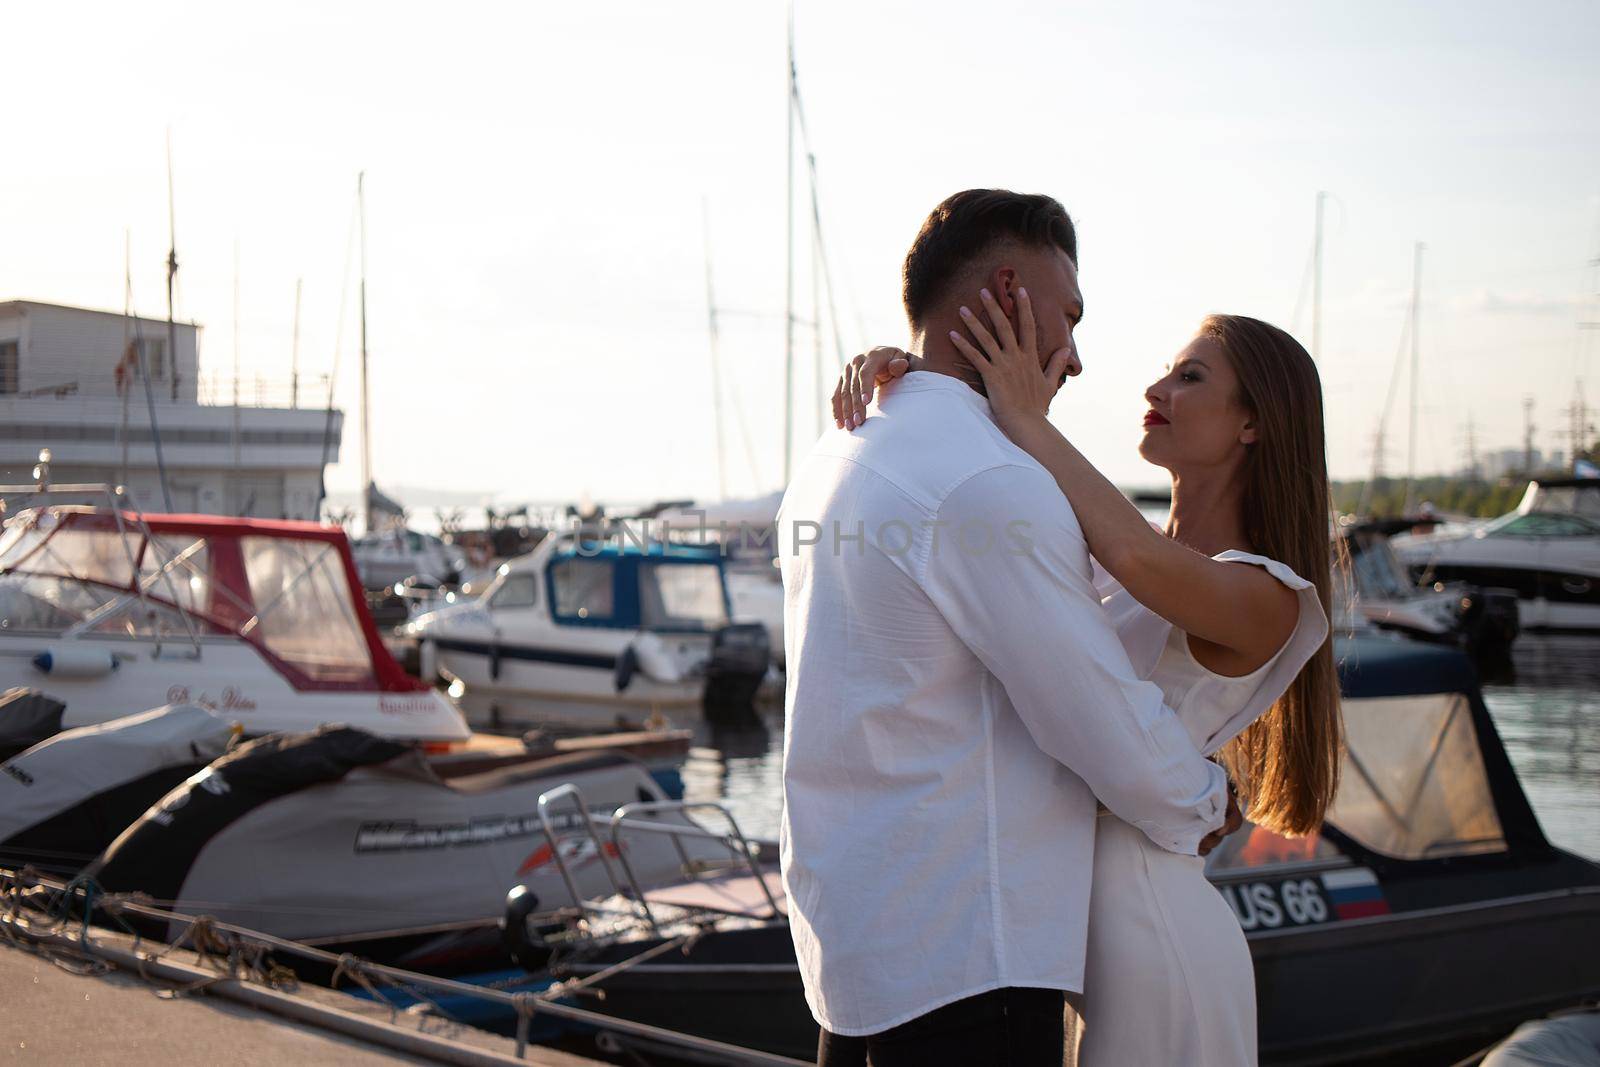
114, 612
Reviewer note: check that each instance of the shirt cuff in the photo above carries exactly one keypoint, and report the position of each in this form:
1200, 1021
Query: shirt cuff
1210, 815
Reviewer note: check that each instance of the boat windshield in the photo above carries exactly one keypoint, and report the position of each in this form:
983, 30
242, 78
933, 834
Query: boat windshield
57, 577
304, 613
1581, 500
283, 587
1378, 573
1413, 787
676, 596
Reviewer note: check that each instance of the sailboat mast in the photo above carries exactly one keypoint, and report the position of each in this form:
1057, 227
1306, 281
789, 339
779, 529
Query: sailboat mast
716, 363
1411, 435
236, 355
172, 273
123, 385
788, 308
294, 350
1316, 286
366, 399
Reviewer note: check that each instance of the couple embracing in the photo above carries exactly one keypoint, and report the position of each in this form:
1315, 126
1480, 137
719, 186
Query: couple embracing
1018, 715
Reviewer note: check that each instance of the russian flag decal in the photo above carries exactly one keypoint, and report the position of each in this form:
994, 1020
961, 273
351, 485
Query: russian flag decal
1354, 893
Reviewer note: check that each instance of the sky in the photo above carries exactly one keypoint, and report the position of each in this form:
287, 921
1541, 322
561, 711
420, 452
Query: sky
541, 178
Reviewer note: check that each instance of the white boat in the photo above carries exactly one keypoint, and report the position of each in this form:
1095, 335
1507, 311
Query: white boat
597, 633
388, 557
113, 613
1547, 551
1485, 622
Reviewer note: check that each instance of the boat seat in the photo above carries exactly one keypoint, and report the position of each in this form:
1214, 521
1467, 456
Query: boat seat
732, 894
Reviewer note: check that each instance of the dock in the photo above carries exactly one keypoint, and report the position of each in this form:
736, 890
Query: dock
66, 1007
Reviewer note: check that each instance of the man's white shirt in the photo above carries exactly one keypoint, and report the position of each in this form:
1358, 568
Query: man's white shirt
956, 702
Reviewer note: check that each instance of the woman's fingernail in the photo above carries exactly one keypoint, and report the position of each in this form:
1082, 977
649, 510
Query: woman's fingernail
1022, 290
986, 294
966, 312
956, 336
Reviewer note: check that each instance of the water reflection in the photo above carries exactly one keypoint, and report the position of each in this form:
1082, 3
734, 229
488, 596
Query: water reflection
1545, 713
742, 767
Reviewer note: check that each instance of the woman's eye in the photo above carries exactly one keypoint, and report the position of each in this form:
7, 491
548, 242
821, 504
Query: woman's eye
1190, 376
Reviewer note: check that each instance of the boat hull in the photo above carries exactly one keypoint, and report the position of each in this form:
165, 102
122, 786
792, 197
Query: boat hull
224, 675
1384, 989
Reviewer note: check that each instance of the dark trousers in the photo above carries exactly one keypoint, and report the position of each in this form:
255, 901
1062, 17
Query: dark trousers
1003, 1028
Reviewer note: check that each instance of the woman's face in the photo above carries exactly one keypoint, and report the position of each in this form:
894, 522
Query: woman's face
1196, 419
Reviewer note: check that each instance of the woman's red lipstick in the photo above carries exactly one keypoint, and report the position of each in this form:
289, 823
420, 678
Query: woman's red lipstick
1154, 418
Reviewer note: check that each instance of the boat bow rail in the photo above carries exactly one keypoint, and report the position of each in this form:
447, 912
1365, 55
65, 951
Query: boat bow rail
645, 817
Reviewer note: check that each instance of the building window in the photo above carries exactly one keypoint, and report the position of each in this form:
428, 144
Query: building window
8, 367
153, 350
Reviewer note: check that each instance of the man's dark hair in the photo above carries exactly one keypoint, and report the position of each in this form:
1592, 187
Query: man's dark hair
966, 225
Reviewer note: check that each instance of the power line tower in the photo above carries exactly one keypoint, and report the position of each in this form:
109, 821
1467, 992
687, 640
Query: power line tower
1580, 431
1527, 435
1474, 468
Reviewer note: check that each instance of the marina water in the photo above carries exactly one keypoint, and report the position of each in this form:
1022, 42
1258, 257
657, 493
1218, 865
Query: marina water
1547, 712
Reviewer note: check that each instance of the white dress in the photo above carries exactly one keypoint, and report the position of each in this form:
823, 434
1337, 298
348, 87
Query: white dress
1168, 980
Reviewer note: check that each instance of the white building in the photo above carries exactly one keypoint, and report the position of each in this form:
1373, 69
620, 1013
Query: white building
1503, 462
70, 382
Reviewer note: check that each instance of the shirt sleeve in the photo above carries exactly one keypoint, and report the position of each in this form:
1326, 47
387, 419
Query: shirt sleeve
1006, 564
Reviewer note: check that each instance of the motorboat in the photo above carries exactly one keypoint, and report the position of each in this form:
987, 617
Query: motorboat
746, 531
1547, 551
1484, 622
345, 840
65, 799
597, 632
1428, 916
1431, 914
114, 612
390, 556
1569, 1039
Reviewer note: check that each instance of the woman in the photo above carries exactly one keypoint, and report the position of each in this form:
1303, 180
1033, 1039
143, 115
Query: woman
1225, 612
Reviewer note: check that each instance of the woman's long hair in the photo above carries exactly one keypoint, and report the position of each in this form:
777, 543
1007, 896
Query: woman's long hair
1287, 762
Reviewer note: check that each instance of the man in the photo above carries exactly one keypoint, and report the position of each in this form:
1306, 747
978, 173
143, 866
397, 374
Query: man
956, 698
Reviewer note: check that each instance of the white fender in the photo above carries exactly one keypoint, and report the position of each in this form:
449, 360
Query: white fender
75, 661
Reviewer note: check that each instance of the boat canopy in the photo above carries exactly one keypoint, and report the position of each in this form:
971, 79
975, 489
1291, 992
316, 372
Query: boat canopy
669, 587
1425, 774
288, 588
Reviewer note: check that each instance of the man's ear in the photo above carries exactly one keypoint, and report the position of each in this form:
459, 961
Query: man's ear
1003, 284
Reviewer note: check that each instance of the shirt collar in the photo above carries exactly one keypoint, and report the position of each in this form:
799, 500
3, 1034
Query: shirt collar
927, 381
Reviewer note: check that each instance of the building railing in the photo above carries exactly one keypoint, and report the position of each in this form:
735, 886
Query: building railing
260, 391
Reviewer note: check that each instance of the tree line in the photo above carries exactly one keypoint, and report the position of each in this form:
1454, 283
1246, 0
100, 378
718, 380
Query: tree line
1456, 496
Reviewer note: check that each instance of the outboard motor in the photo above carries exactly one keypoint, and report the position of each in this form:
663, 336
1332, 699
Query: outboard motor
740, 652
1490, 622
